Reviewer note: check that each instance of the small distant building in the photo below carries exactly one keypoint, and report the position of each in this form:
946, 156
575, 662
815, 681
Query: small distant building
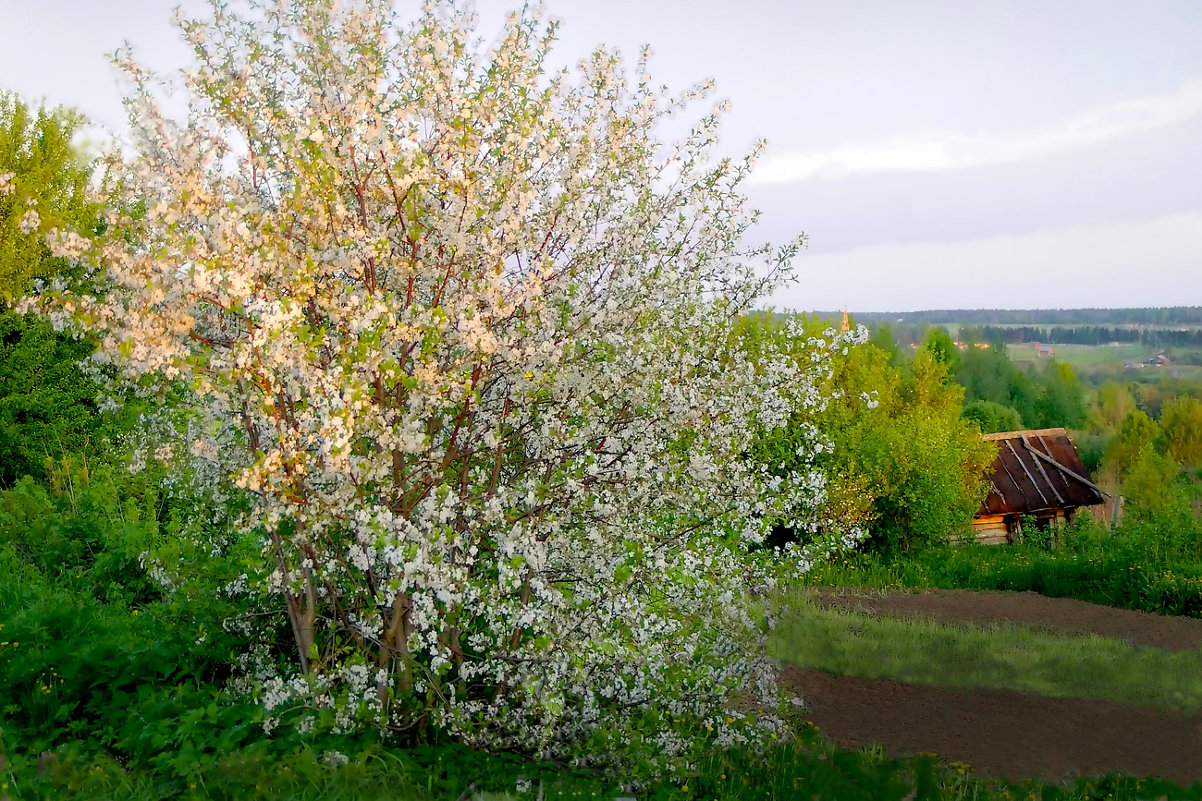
1037, 475
1045, 351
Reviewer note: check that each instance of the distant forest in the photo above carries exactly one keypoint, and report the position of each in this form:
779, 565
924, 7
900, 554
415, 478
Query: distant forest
1081, 335
1176, 326
1167, 315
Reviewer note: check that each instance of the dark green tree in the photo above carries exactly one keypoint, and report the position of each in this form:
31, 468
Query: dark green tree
1061, 399
939, 343
882, 338
1023, 393
986, 374
992, 417
1137, 435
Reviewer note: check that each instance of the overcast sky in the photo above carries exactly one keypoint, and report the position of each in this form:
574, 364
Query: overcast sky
1001, 153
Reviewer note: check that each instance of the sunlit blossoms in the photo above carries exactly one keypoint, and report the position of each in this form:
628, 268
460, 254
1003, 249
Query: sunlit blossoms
461, 328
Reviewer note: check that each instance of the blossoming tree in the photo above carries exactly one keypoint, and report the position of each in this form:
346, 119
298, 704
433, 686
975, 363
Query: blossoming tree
460, 327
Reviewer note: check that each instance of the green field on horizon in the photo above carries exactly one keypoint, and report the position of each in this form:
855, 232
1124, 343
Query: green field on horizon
1086, 356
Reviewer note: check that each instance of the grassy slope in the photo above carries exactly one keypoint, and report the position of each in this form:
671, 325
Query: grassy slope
1004, 656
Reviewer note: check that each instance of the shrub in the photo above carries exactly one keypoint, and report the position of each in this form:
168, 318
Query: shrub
992, 417
919, 461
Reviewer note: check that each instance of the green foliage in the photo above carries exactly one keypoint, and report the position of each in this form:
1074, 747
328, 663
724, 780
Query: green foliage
1061, 399
920, 459
986, 375
1155, 496
903, 464
1110, 405
87, 537
992, 417
1022, 392
882, 337
1052, 398
48, 408
942, 348
49, 178
117, 641
113, 687
1181, 425
1137, 435
88, 634
1091, 446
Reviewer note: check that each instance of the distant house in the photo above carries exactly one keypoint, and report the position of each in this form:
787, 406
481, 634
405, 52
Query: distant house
1037, 475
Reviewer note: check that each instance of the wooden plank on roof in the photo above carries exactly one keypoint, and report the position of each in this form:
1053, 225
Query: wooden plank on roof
1023, 465
1067, 471
1017, 485
1042, 472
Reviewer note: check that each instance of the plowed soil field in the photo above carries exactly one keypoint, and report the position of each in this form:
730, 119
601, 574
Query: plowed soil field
1005, 733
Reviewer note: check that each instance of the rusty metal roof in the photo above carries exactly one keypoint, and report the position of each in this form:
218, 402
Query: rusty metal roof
1037, 471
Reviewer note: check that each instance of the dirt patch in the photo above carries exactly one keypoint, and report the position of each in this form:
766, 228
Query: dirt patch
1003, 733
1025, 608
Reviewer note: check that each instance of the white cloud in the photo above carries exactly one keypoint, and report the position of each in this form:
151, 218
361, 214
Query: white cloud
939, 150
1149, 263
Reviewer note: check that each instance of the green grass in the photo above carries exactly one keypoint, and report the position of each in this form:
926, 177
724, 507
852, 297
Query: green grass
1085, 356
1005, 656
1109, 358
808, 767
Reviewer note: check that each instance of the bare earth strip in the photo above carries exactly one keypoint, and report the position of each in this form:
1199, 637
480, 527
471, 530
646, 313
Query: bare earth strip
1006, 733
1024, 608
1003, 733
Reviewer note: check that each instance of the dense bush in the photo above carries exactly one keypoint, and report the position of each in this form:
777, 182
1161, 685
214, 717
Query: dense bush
992, 417
1149, 565
49, 409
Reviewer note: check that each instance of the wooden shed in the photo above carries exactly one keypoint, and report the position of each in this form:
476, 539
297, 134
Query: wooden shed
1037, 474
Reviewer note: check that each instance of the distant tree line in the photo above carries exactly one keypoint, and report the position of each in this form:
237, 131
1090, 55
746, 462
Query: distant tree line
916, 333
1081, 335
1168, 315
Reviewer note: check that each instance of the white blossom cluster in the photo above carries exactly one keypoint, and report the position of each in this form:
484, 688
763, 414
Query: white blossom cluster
462, 330
29, 221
